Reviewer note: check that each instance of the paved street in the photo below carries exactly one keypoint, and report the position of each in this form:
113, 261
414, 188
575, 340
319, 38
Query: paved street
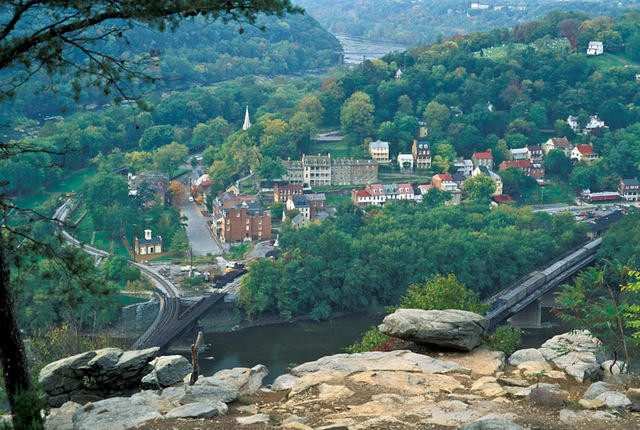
199, 236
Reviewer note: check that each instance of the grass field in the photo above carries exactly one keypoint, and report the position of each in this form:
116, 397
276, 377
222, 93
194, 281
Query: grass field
336, 149
549, 194
86, 233
607, 61
72, 182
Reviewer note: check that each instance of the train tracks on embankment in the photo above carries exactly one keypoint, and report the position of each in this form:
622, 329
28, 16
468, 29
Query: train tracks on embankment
165, 291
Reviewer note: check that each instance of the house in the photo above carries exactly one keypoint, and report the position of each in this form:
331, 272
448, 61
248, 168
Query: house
421, 154
595, 47
149, 186
483, 170
522, 165
361, 198
317, 203
583, 152
298, 221
242, 222
378, 196
149, 245
535, 153
405, 161
561, 143
350, 171
390, 191
379, 151
519, 154
458, 179
301, 204
482, 159
405, 191
316, 170
398, 74
282, 193
593, 124
502, 199
322, 170
629, 189
444, 182
464, 167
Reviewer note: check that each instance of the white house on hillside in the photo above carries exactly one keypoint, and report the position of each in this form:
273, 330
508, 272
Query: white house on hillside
595, 48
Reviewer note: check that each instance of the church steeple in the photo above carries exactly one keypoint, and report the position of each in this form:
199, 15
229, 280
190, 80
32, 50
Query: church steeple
247, 121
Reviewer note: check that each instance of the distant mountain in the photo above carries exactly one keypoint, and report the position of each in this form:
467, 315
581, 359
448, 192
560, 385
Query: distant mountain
418, 21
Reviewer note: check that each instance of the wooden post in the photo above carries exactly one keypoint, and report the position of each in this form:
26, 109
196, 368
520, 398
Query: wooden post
195, 349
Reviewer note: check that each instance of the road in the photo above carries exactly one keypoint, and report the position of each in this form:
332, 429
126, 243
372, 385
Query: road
200, 238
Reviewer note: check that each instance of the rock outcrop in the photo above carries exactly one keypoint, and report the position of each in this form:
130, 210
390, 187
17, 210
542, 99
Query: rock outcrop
450, 328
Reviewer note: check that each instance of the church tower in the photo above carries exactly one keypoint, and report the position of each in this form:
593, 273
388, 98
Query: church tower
247, 121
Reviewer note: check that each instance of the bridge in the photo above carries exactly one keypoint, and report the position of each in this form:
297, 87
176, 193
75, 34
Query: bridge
523, 300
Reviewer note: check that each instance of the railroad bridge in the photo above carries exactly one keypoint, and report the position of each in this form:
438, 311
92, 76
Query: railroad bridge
522, 302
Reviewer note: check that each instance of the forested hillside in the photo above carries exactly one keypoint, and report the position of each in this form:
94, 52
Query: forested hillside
413, 22
196, 53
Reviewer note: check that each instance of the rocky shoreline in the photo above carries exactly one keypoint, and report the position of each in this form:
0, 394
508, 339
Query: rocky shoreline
563, 384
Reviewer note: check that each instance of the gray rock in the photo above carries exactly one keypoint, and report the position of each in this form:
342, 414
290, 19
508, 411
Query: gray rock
547, 395
577, 352
295, 419
117, 413
63, 376
253, 419
333, 427
523, 355
614, 367
135, 361
451, 328
596, 389
105, 359
284, 382
399, 360
240, 379
198, 410
62, 417
491, 424
613, 399
167, 370
208, 393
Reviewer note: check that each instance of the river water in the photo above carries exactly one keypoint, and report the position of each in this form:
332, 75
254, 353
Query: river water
357, 49
283, 346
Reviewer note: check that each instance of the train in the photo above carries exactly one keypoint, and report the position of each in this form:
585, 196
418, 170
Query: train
221, 280
538, 278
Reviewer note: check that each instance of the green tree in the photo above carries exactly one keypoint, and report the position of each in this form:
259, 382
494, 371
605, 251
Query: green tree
169, 157
271, 168
515, 182
557, 163
313, 108
64, 46
356, 117
442, 292
156, 136
479, 188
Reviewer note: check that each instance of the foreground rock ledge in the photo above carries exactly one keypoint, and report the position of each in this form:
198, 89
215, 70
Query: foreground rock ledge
451, 328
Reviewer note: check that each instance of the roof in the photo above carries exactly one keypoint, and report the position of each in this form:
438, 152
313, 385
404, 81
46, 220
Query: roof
560, 142
483, 155
299, 201
458, 177
518, 164
378, 144
632, 182
289, 187
316, 197
390, 188
585, 149
406, 187
534, 147
503, 198
444, 177
157, 240
362, 194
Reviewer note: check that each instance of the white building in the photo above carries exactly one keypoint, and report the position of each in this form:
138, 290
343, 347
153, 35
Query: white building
595, 48
379, 151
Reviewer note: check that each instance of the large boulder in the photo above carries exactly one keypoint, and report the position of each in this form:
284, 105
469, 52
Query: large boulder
577, 352
451, 328
167, 370
117, 413
226, 385
95, 375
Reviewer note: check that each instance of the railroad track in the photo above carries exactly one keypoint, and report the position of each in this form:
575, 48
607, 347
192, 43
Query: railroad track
165, 291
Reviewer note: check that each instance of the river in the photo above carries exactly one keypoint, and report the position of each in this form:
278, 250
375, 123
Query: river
357, 49
282, 346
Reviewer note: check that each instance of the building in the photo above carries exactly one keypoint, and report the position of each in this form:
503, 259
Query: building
362, 198
444, 182
561, 143
421, 154
322, 171
405, 191
390, 191
535, 154
482, 159
595, 48
317, 203
282, 193
518, 154
522, 165
629, 189
316, 170
583, 152
300, 204
405, 161
350, 171
242, 222
379, 151
147, 246
593, 124
464, 167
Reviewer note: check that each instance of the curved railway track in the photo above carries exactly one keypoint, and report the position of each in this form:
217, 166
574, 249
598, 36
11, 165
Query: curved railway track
165, 291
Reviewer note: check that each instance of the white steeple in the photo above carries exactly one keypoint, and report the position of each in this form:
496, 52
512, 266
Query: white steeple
247, 121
